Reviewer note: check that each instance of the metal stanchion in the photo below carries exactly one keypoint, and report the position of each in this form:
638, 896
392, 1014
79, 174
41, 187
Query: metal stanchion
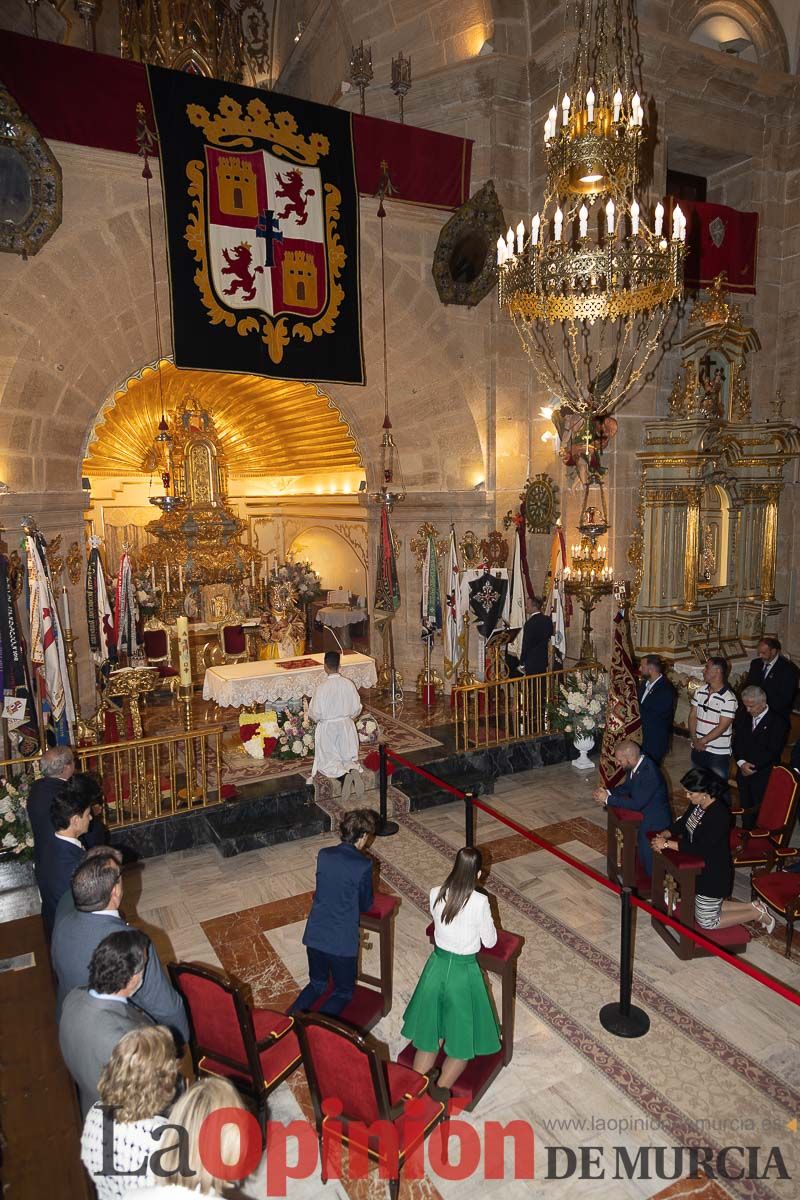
386, 827
625, 1019
469, 819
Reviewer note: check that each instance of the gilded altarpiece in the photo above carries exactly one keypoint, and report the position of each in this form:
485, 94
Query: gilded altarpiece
711, 485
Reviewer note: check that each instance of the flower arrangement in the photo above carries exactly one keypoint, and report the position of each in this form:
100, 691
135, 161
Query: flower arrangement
303, 578
274, 734
367, 729
581, 706
16, 836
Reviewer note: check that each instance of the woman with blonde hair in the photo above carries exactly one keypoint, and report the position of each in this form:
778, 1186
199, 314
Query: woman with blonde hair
182, 1169
136, 1088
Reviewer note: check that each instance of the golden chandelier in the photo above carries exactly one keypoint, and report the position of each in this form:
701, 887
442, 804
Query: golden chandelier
590, 284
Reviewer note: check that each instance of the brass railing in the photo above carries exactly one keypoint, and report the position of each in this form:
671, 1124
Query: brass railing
504, 710
148, 778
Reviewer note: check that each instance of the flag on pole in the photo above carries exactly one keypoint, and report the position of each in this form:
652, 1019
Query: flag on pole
454, 617
16, 688
127, 611
100, 618
557, 604
622, 707
47, 643
431, 601
387, 587
516, 603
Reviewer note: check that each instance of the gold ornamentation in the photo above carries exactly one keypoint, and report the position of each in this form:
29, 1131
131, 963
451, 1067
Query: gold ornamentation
28, 155
540, 503
470, 550
74, 564
716, 310
635, 553
223, 41
419, 544
494, 549
231, 127
55, 559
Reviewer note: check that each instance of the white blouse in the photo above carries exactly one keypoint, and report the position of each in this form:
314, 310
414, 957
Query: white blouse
133, 1144
471, 927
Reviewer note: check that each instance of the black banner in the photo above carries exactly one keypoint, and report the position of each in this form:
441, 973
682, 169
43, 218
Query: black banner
261, 209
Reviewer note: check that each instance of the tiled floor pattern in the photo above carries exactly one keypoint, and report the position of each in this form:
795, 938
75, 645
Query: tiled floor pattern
721, 1050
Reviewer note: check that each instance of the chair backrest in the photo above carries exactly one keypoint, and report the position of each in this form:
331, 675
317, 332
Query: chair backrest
780, 799
233, 639
156, 643
340, 1066
221, 1022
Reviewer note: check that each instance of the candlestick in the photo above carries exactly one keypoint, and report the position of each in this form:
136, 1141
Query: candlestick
590, 105
617, 104
535, 223
558, 221
634, 218
583, 216
180, 578
166, 575
659, 222
565, 110
501, 250
610, 218
520, 236
65, 603
184, 655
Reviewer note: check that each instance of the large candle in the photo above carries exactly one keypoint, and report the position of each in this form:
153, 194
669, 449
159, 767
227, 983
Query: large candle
184, 656
67, 622
166, 575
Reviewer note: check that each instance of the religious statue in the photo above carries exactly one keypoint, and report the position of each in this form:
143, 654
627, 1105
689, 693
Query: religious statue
584, 437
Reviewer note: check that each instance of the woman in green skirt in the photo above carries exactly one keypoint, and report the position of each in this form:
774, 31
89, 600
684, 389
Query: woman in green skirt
451, 1004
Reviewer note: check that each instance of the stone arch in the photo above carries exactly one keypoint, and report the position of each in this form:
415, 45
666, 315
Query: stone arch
758, 17
357, 565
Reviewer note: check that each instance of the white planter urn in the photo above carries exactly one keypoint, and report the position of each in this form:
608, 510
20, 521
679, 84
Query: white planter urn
583, 745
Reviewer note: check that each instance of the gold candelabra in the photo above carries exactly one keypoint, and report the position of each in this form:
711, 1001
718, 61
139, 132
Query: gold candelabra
588, 578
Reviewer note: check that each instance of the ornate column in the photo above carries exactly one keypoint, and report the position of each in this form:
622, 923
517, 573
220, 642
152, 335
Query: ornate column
770, 544
692, 547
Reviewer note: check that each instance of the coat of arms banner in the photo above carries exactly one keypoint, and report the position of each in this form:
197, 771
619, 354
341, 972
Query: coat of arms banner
261, 208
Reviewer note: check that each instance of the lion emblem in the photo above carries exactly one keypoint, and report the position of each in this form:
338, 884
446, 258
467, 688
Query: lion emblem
244, 279
291, 189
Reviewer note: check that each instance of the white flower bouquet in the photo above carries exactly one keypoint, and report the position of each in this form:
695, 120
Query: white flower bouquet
581, 706
368, 730
16, 836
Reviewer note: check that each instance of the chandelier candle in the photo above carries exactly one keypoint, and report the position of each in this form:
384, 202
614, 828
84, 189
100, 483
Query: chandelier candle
602, 285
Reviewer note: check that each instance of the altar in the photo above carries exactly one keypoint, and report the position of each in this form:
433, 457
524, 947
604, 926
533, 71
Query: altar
280, 679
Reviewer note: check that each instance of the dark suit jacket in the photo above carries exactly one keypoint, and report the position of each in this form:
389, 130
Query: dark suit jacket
656, 713
88, 1032
41, 795
76, 936
711, 841
536, 634
762, 747
343, 892
780, 685
53, 874
644, 792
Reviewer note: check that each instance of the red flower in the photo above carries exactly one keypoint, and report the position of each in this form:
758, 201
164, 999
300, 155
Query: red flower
269, 746
247, 731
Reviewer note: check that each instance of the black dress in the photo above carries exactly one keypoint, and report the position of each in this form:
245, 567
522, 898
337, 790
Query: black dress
710, 841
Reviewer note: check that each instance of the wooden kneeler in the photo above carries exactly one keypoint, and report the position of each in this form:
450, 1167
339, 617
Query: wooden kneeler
622, 858
673, 893
481, 1072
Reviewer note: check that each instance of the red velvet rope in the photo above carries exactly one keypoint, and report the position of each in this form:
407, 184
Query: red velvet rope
766, 980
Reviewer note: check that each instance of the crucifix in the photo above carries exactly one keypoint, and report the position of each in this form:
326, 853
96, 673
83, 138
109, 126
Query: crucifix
267, 228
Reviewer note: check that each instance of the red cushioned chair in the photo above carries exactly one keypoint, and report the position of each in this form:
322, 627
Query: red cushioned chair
673, 893
774, 823
156, 650
352, 1088
779, 890
622, 859
254, 1048
233, 641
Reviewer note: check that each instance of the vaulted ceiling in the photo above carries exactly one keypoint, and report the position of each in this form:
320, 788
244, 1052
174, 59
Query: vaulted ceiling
267, 426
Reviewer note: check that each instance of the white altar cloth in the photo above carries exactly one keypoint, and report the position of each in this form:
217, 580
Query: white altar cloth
338, 617
266, 682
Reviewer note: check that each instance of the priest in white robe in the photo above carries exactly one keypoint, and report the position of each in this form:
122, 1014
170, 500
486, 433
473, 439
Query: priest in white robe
334, 706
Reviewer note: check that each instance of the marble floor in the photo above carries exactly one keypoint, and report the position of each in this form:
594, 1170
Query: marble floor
720, 1066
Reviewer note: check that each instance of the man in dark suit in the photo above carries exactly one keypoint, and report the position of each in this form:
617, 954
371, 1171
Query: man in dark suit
96, 893
70, 814
776, 675
656, 706
58, 771
643, 790
536, 634
343, 892
759, 735
96, 1017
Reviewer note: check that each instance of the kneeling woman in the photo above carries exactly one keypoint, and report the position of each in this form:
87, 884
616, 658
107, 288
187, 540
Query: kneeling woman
704, 829
451, 1004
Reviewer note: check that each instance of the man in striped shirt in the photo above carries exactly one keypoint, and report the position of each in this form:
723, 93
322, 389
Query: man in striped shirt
711, 719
